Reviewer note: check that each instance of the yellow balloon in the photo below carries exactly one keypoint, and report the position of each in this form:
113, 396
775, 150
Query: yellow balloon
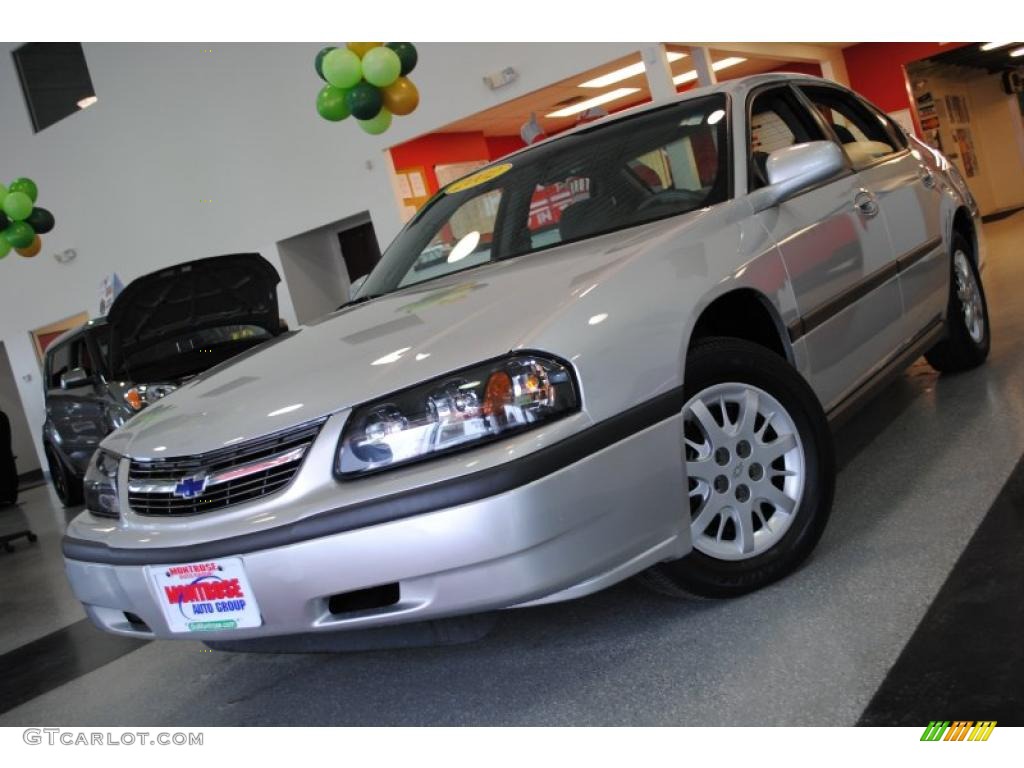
31, 250
360, 49
401, 97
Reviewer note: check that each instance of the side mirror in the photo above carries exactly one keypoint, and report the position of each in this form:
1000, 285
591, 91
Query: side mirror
794, 169
75, 378
353, 289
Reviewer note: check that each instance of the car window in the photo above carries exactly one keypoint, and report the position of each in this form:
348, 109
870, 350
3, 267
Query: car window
777, 120
59, 363
658, 163
863, 135
80, 357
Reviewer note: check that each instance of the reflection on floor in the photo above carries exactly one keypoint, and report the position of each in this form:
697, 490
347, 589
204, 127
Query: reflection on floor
921, 468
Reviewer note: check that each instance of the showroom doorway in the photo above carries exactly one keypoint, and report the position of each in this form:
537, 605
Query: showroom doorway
359, 249
26, 459
320, 265
968, 104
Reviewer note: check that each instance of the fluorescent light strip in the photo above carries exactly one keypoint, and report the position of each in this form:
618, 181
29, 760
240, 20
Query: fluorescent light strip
597, 101
690, 76
1017, 52
625, 73
993, 46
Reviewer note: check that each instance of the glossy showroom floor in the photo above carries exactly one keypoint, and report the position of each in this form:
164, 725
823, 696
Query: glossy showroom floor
911, 608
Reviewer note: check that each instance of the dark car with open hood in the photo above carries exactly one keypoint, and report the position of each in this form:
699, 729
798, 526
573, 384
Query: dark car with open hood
164, 329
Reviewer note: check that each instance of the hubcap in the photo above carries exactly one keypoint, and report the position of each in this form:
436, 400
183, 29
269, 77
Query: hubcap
969, 294
745, 468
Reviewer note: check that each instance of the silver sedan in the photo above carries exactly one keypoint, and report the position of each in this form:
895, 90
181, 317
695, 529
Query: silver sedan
616, 352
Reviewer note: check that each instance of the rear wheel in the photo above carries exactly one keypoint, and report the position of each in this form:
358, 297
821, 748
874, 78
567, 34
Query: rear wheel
69, 489
760, 471
967, 331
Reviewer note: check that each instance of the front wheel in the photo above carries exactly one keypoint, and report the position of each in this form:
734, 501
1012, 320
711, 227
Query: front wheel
760, 471
967, 332
69, 489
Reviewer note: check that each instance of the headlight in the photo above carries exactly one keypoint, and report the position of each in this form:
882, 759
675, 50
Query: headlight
101, 485
465, 409
147, 394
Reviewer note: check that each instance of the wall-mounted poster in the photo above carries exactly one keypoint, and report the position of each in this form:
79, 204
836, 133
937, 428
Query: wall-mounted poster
962, 137
956, 108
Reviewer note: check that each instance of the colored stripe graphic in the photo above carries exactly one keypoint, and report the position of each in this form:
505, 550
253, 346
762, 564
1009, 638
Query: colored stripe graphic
959, 730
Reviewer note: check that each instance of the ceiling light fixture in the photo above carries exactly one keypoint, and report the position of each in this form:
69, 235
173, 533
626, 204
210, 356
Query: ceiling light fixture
604, 98
626, 72
1017, 52
88, 101
690, 76
993, 46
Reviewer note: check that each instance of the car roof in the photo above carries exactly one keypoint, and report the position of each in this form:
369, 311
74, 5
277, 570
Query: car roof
737, 87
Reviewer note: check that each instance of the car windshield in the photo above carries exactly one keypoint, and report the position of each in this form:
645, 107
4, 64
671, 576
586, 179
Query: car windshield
656, 164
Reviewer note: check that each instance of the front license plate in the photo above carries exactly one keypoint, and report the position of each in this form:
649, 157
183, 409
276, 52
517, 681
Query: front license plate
206, 597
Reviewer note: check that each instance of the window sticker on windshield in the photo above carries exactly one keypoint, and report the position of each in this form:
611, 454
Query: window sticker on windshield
478, 178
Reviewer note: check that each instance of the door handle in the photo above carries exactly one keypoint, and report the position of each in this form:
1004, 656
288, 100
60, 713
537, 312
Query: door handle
866, 203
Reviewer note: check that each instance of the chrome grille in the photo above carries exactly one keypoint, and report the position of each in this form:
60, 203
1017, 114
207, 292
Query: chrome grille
222, 478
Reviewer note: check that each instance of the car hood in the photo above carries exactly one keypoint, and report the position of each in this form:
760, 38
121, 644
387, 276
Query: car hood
236, 289
367, 351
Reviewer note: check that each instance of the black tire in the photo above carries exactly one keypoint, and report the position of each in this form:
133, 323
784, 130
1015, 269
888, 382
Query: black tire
721, 360
958, 351
68, 487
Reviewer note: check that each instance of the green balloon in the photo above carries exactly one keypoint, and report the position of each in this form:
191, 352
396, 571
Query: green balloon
319, 63
381, 66
18, 206
41, 220
407, 55
25, 185
364, 101
377, 124
20, 234
5, 247
342, 68
332, 103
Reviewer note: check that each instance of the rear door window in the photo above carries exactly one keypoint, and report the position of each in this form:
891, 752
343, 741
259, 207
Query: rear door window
864, 135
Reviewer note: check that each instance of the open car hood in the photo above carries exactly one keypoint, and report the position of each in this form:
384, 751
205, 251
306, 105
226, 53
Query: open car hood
236, 289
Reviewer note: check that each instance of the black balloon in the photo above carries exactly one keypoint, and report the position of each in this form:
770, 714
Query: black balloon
41, 220
364, 101
407, 55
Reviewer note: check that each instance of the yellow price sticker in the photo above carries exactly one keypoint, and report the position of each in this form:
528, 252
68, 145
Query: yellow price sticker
478, 178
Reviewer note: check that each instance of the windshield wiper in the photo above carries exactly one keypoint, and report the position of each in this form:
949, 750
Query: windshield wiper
360, 300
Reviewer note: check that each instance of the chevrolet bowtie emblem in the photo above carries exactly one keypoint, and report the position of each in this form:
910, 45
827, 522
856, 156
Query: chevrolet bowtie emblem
190, 487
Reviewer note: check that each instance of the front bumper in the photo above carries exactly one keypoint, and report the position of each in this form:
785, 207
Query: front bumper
578, 529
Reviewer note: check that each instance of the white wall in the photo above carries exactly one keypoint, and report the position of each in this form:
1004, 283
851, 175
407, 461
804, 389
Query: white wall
175, 126
22, 443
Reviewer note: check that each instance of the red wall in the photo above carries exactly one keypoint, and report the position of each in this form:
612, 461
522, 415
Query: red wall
876, 69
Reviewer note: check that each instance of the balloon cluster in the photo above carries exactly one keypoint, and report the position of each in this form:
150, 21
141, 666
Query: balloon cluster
368, 81
21, 223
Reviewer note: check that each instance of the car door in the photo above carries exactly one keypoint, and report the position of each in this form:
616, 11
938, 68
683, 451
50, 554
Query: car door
904, 189
838, 255
78, 413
